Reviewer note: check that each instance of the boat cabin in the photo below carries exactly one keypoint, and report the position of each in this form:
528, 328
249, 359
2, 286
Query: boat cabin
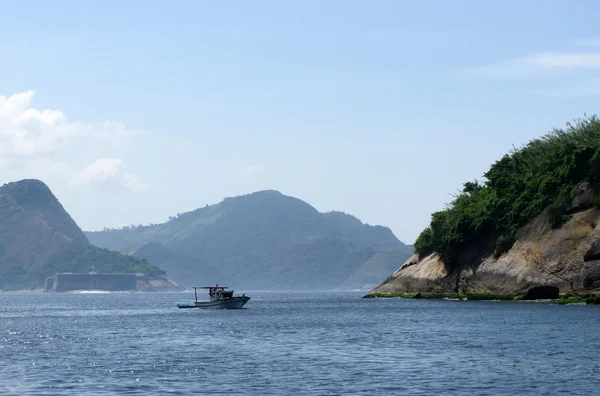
220, 298
216, 293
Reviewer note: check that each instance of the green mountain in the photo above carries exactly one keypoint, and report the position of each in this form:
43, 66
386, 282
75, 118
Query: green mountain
264, 240
38, 238
180, 266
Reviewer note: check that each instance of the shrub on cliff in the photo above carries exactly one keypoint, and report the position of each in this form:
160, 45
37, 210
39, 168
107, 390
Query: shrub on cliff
516, 189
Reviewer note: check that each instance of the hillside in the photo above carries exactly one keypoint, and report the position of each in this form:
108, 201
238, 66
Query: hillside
262, 240
531, 224
180, 266
378, 267
39, 238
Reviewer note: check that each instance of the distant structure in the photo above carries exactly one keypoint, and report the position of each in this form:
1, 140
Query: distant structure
92, 281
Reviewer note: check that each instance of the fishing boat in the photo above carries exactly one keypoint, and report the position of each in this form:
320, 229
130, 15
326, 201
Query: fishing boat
220, 298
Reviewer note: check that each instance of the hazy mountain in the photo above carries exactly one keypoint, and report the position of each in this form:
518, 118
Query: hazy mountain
370, 274
38, 238
179, 265
259, 240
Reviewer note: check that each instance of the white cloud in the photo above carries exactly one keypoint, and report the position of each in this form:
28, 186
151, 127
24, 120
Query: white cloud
133, 182
28, 131
540, 64
108, 170
557, 60
47, 144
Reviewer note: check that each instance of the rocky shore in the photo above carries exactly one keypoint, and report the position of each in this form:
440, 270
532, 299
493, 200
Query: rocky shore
542, 263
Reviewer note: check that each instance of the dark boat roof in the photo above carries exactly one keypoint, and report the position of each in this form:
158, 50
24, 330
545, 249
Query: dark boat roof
210, 287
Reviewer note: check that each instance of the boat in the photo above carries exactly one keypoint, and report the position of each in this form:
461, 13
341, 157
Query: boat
220, 298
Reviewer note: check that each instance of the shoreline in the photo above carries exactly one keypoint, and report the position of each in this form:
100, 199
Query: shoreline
563, 298
23, 291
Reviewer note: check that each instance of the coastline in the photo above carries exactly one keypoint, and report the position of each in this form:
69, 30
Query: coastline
563, 298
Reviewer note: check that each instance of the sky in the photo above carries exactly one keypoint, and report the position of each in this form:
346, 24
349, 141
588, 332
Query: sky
135, 111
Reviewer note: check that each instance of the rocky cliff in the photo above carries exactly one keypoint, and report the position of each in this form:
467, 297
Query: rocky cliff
541, 256
527, 228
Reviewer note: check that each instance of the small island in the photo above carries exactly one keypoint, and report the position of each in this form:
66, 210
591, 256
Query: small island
528, 230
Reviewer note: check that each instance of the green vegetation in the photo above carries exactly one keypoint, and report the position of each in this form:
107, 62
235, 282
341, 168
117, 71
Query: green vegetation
13, 276
517, 188
75, 257
569, 299
179, 265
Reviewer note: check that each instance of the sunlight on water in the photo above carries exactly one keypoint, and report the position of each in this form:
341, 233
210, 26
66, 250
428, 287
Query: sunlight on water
294, 343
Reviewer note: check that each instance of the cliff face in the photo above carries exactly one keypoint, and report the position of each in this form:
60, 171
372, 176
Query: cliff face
541, 256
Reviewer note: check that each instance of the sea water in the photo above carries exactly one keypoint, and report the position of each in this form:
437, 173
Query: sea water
294, 343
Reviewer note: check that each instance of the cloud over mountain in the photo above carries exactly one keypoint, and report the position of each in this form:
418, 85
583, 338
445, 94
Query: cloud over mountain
108, 170
76, 152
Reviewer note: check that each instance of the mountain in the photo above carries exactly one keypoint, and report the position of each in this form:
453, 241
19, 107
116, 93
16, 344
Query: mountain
38, 238
179, 265
378, 267
529, 229
264, 240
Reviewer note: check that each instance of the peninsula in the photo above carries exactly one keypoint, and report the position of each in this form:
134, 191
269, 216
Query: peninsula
529, 230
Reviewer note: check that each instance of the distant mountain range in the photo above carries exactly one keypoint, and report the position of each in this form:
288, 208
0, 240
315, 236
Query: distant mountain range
38, 238
264, 240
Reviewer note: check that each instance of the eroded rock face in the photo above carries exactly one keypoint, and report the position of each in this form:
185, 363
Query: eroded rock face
583, 197
594, 252
542, 293
541, 257
427, 275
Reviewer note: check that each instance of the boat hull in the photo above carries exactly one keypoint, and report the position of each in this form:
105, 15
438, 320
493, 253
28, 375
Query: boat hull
229, 303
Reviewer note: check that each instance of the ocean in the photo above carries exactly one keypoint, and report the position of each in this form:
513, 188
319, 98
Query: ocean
294, 343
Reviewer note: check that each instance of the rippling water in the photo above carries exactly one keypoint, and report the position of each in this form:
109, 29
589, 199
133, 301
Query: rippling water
293, 344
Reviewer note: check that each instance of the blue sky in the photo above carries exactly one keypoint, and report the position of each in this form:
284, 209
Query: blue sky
134, 111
